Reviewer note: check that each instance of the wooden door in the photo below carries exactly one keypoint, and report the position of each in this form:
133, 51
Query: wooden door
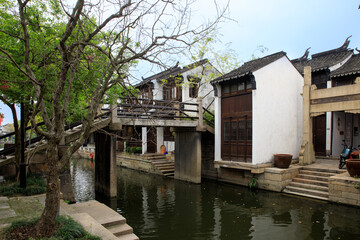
237, 128
151, 140
319, 135
348, 129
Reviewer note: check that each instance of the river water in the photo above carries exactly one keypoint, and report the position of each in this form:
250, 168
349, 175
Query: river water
163, 208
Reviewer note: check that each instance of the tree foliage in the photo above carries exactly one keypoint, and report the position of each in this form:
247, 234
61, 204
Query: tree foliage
63, 56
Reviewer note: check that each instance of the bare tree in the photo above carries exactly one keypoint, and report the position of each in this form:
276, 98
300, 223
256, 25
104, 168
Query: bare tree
81, 49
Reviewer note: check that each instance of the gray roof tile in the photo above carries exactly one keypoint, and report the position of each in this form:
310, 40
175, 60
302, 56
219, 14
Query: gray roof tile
249, 67
172, 72
352, 66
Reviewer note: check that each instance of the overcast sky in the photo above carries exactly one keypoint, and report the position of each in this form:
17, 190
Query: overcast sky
279, 25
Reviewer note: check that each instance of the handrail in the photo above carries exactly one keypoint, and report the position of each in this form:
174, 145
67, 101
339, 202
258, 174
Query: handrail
11, 149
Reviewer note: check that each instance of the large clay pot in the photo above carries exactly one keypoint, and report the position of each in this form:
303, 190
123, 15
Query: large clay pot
353, 167
282, 160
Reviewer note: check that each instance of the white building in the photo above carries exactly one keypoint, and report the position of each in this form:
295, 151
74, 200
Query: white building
258, 112
184, 84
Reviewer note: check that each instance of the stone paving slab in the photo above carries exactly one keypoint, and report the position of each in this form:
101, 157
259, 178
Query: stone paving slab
102, 213
92, 226
8, 213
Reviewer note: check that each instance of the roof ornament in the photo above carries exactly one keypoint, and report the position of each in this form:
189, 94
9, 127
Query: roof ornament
306, 54
303, 57
357, 50
346, 43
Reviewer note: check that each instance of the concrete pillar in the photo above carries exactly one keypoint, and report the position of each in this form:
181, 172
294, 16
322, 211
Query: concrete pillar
188, 155
307, 154
105, 164
159, 138
217, 103
144, 139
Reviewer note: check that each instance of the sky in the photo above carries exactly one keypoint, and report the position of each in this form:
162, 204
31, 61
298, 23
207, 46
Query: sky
291, 26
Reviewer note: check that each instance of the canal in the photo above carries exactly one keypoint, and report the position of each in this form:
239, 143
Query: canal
163, 208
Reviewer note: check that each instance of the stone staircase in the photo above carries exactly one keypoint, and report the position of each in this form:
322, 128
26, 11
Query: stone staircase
167, 168
99, 220
311, 182
161, 164
120, 229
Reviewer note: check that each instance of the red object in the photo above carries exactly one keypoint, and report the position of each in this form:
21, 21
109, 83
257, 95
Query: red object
1, 119
91, 155
4, 85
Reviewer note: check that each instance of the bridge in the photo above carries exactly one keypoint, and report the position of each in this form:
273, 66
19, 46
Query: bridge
186, 119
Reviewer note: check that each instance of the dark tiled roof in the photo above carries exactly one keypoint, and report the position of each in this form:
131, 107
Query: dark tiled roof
352, 66
323, 60
172, 72
249, 67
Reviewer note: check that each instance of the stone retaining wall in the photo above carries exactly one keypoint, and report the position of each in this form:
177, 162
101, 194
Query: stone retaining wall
344, 189
135, 162
273, 179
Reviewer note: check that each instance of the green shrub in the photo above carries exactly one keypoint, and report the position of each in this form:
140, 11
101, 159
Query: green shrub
34, 185
138, 150
67, 229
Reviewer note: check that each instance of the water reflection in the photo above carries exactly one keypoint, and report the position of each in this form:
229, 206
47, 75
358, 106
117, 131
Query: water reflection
82, 176
161, 208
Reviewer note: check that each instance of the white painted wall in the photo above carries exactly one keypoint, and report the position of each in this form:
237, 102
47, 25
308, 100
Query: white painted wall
144, 140
158, 90
277, 111
205, 89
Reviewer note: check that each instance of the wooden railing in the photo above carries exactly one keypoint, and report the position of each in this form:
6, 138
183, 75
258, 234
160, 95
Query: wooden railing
156, 109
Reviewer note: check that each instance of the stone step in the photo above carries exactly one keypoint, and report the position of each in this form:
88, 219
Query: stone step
167, 171
120, 230
335, 171
310, 181
169, 174
128, 237
313, 177
165, 164
317, 173
309, 186
166, 167
305, 195
308, 191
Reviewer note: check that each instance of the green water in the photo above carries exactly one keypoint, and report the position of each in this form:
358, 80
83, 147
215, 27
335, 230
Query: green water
162, 208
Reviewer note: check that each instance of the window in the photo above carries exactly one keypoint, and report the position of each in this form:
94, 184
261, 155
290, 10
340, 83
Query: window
233, 131
226, 131
193, 90
233, 88
241, 86
242, 130
249, 129
226, 89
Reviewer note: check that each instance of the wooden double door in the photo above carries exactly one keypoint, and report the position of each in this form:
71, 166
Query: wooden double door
237, 128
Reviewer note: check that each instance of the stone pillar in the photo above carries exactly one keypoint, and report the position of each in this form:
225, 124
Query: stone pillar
159, 138
188, 155
200, 115
144, 139
307, 154
217, 128
105, 164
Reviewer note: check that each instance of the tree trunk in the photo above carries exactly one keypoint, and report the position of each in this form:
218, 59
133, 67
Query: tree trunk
45, 225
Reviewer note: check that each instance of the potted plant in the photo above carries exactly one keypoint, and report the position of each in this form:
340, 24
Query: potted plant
353, 164
282, 160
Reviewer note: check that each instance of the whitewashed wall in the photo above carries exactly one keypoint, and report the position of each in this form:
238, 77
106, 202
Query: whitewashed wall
205, 90
277, 111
